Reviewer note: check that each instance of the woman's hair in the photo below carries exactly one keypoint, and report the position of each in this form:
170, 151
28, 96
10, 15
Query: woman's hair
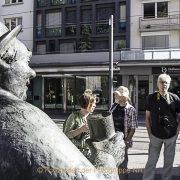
86, 100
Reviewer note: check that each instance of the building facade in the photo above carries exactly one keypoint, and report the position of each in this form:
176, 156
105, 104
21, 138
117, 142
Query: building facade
19, 12
154, 48
71, 50
70, 44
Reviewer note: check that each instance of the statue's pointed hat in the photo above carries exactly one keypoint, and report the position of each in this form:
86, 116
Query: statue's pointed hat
6, 36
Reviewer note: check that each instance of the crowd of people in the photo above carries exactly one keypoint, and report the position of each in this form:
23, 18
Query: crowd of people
162, 125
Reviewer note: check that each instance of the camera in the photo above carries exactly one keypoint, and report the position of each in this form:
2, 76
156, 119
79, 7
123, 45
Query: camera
164, 121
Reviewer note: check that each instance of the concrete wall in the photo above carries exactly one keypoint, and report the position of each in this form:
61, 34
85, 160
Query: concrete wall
24, 10
137, 12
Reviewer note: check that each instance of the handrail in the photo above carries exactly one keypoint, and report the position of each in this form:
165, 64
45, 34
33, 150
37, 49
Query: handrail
170, 20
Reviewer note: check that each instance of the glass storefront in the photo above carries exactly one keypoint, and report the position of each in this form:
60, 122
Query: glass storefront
98, 85
63, 92
132, 89
53, 93
70, 93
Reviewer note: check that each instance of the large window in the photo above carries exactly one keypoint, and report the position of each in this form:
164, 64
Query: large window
41, 47
155, 42
53, 93
102, 18
101, 45
70, 22
41, 3
68, 47
38, 28
53, 23
11, 23
120, 44
52, 48
122, 19
58, 2
86, 15
156, 9
13, 1
99, 86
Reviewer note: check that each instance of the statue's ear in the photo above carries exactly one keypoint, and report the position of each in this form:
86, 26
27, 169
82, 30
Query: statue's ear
4, 65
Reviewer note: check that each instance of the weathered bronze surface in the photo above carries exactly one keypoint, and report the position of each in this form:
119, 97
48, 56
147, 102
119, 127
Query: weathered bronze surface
107, 147
32, 147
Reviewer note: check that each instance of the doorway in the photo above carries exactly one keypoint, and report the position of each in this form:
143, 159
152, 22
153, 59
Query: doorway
143, 92
53, 93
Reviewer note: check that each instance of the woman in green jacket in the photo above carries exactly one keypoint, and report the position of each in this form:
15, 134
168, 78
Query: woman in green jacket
76, 127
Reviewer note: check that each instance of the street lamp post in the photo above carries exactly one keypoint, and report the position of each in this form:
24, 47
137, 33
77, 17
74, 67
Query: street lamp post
110, 61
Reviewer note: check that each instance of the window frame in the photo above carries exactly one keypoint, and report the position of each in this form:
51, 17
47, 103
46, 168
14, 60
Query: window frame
10, 22
11, 2
156, 10
154, 38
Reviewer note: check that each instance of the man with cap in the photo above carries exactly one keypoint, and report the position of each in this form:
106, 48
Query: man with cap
125, 120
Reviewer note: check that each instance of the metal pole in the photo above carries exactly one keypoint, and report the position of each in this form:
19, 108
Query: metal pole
110, 61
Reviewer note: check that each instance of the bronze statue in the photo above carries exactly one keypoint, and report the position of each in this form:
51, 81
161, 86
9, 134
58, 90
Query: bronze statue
32, 147
107, 147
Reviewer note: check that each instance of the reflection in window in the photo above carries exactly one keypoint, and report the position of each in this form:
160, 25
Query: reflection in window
122, 23
70, 93
53, 24
162, 9
41, 3
102, 18
58, 2
12, 1
120, 44
53, 93
70, 22
98, 85
38, 28
11, 23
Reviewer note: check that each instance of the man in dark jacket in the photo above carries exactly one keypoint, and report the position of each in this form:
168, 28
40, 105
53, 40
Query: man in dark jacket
162, 127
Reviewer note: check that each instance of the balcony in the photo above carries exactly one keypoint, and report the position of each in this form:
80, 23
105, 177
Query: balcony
163, 54
171, 22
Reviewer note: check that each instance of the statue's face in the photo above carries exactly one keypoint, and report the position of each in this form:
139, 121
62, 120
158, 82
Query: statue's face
17, 77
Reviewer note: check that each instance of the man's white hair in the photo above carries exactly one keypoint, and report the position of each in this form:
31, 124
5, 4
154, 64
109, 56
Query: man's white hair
164, 77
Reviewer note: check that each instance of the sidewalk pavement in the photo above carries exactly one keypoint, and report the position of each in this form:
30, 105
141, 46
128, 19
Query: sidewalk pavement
138, 154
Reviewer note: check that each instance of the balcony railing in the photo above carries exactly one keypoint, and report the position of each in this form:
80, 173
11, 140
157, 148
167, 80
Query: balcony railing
163, 54
171, 21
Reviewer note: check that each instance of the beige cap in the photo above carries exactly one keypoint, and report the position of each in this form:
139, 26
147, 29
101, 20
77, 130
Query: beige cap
122, 91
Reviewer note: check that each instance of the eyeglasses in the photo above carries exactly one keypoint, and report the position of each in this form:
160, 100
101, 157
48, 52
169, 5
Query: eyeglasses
163, 82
